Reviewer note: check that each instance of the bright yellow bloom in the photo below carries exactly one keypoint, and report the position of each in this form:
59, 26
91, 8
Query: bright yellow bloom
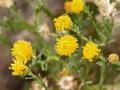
22, 50
66, 45
63, 23
113, 58
77, 6
6, 3
90, 50
67, 6
18, 68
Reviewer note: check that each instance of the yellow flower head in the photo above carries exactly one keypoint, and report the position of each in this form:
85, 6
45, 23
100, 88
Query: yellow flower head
113, 58
66, 45
19, 69
63, 23
22, 50
77, 6
90, 50
67, 6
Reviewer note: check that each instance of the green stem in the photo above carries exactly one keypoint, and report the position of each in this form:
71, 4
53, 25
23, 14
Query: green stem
77, 68
92, 21
46, 10
88, 68
53, 58
38, 80
101, 35
84, 38
103, 66
102, 77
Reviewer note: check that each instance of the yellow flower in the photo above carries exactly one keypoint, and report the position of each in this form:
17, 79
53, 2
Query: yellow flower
6, 3
90, 50
22, 50
66, 45
63, 23
67, 6
19, 69
113, 58
77, 6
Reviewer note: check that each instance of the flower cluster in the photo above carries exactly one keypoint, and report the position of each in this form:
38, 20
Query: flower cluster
77, 44
22, 53
67, 44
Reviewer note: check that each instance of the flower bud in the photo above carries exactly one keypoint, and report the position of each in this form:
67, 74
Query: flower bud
113, 58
